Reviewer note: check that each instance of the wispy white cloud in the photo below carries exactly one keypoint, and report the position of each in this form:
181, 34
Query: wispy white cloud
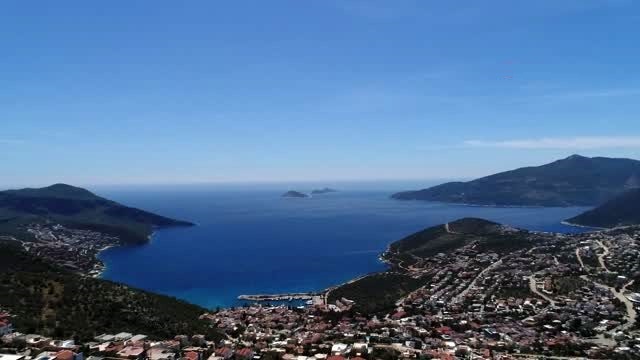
579, 142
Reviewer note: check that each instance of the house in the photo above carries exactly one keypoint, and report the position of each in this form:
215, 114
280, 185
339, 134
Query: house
131, 352
161, 353
244, 354
123, 336
104, 338
138, 338
224, 352
339, 349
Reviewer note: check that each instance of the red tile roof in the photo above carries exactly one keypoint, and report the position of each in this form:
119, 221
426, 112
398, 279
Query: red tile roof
64, 355
191, 355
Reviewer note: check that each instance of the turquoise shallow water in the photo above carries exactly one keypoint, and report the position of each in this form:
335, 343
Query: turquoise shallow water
253, 241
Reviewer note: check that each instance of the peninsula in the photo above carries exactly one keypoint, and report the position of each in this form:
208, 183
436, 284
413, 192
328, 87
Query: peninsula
70, 225
295, 194
474, 286
623, 210
574, 181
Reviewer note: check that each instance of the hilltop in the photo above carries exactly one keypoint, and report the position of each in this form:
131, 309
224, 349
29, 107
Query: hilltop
408, 257
450, 236
574, 181
622, 210
49, 300
76, 208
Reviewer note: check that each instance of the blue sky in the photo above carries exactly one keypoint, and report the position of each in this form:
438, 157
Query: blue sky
123, 92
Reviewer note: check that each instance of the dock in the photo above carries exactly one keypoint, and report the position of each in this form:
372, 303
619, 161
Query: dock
278, 297
312, 298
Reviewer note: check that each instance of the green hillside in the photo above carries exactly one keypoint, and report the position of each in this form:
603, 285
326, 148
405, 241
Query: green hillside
51, 301
574, 181
448, 237
76, 208
620, 211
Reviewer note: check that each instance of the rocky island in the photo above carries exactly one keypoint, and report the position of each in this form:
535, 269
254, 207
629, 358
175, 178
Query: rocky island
323, 191
294, 194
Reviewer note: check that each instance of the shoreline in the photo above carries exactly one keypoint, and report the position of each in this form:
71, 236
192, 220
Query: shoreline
103, 266
495, 205
594, 228
323, 293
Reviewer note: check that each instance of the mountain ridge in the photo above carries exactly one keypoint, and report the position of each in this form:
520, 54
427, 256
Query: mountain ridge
573, 181
78, 208
622, 210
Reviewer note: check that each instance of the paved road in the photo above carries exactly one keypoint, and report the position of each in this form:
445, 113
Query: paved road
464, 292
446, 227
632, 315
601, 256
534, 289
579, 258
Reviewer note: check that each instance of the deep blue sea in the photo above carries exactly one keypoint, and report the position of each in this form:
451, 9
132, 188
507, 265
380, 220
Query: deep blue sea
252, 240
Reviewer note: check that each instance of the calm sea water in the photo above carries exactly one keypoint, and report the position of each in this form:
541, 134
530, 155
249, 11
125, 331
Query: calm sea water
253, 241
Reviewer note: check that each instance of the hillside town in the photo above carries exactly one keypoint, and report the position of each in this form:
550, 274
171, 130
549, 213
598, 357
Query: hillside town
72, 248
563, 297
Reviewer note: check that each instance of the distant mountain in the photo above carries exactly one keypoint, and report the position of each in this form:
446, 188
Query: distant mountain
622, 210
574, 181
295, 194
322, 191
77, 208
447, 237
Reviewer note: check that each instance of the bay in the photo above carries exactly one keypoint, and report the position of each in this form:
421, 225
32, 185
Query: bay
251, 240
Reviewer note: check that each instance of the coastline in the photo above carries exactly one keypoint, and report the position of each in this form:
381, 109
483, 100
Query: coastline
101, 266
594, 228
505, 206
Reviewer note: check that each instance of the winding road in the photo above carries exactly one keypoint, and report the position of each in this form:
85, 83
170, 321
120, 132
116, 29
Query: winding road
534, 289
632, 315
601, 256
579, 258
472, 284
